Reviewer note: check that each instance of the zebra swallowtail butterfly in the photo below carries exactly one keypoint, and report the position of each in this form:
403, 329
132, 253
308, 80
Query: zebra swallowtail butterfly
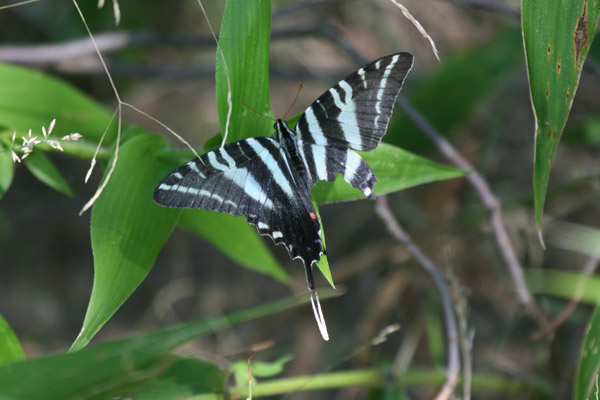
268, 179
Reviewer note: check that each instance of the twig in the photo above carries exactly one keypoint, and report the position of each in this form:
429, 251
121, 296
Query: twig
452, 374
114, 41
489, 200
417, 25
588, 269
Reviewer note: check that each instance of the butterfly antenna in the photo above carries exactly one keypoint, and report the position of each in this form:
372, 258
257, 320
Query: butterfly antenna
316, 305
294, 102
259, 113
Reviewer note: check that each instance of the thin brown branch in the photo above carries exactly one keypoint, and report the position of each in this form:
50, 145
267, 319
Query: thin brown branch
489, 200
453, 369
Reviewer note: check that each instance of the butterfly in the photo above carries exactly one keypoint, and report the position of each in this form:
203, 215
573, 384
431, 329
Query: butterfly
268, 179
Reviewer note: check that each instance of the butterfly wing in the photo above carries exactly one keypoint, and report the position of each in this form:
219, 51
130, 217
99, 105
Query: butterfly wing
352, 115
253, 178
355, 113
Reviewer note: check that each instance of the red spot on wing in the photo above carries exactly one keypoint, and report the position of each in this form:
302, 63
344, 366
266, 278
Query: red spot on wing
313, 216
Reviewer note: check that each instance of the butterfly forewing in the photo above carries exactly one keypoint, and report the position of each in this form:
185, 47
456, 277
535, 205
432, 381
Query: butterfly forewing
253, 178
355, 112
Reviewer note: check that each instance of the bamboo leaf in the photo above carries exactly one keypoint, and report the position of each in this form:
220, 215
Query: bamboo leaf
244, 45
557, 36
30, 99
586, 382
247, 248
395, 169
127, 230
44, 170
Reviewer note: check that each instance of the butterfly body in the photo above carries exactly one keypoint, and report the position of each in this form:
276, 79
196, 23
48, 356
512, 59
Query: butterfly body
268, 179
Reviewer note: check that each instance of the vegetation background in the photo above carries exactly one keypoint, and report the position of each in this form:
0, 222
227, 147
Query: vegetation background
199, 316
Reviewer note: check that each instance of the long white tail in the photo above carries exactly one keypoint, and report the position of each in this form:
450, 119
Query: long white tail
316, 306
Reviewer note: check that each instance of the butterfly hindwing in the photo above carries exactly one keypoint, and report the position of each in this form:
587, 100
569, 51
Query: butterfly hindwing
323, 163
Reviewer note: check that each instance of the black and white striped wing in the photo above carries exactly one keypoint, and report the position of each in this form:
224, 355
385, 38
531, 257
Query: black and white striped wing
352, 115
355, 113
253, 178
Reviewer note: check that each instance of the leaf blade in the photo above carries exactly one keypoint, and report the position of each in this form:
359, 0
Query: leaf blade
247, 249
125, 220
30, 99
44, 170
395, 169
589, 360
244, 44
557, 37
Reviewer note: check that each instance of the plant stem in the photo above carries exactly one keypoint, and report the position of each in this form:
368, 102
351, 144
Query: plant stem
373, 377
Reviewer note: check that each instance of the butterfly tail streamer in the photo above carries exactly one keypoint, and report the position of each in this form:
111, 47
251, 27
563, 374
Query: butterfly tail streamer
316, 306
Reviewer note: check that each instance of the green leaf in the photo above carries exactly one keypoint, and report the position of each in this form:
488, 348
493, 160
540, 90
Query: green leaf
248, 249
244, 43
258, 369
10, 348
30, 99
456, 89
115, 368
127, 230
563, 284
395, 169
44, 170
7, 170
586, 381
557, 36
323, 263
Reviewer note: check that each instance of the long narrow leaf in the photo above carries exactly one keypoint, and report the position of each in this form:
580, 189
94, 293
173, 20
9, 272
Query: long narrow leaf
557, 36
44, 170
235, 238
396, 169
589, 361
244, 45
127, 230
30, 99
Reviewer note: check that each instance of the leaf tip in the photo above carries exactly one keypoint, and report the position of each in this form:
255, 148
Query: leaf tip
541, 237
